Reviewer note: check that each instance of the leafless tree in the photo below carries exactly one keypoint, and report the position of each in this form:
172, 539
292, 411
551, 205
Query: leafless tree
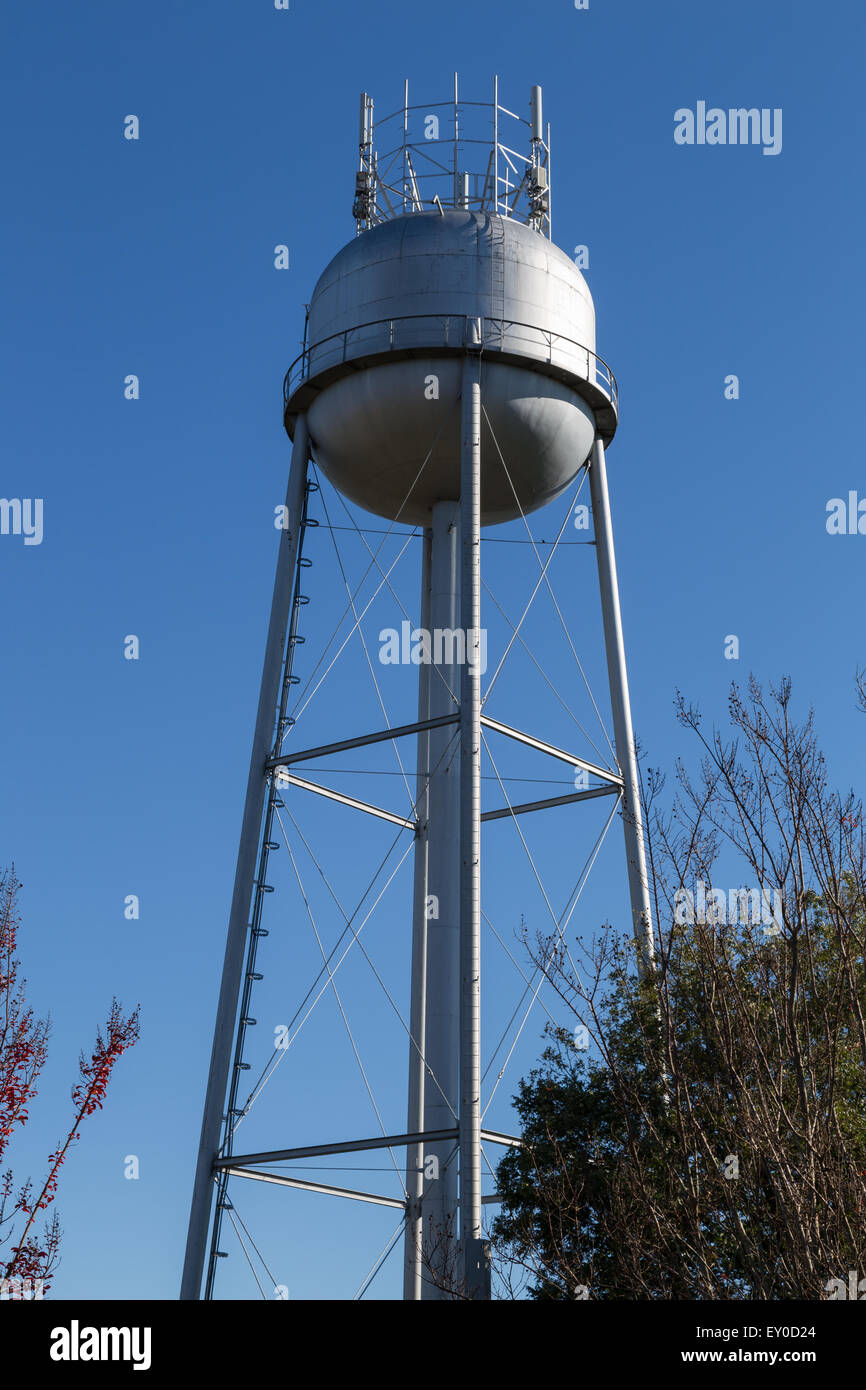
713, 1143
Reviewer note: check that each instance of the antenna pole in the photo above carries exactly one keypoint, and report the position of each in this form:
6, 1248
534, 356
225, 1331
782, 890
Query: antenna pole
456, 145
549, 188
405, 136
496, 144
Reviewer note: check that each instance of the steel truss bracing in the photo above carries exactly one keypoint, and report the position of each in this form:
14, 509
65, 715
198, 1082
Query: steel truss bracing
445, 1114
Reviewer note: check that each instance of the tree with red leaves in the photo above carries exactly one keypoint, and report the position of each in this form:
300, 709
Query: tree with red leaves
23, 1050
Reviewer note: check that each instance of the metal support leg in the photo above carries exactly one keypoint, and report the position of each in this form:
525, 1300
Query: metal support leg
474, 1271
245, 873
632, 816
412, 1268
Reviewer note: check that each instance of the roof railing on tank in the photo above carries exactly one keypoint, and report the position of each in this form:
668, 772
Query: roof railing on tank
443, 155
497, 335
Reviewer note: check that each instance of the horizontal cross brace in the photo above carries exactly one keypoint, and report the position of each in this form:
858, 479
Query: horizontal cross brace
551, 801
493, 1136
351, 1146
382, 736
320, 1187
328, 1190
288, 779
601, 772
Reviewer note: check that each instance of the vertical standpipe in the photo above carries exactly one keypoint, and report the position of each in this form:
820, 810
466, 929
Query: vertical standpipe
472, 1261
245, 873
446, 993
632, 817
442, 980
412, 1265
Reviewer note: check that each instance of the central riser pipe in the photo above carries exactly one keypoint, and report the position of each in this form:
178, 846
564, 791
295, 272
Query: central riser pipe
442, 1024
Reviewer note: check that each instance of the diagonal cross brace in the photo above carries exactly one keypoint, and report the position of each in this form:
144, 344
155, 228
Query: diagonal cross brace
603, 773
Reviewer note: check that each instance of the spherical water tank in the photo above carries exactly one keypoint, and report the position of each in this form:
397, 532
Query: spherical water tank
388, 328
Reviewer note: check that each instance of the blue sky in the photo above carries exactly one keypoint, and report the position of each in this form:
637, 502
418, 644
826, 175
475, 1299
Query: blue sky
155, 257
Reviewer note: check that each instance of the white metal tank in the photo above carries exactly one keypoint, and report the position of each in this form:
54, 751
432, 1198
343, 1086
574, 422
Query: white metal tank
389, 322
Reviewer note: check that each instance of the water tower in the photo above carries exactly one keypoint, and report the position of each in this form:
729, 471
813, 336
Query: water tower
449, 381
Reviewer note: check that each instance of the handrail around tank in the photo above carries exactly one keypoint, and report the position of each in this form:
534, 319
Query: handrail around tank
493, 335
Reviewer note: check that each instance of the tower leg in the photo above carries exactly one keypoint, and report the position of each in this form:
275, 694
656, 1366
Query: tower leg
474, 1272
442, 1029
245, 873
632, 816
412, 1269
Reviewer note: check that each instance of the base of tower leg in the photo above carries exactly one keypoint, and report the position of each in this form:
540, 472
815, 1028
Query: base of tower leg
477, 1269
